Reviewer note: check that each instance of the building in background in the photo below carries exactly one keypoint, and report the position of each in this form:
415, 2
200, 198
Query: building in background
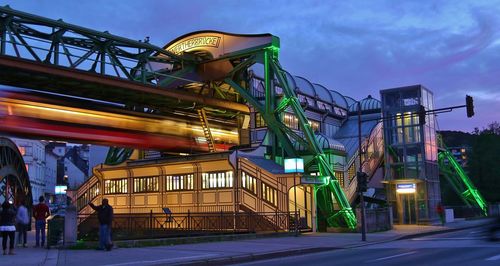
33, 152
461, 154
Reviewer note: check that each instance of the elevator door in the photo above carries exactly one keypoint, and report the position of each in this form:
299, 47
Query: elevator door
407, 209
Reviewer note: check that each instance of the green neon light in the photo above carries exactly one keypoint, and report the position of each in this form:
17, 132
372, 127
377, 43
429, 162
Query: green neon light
470, 194
332, 188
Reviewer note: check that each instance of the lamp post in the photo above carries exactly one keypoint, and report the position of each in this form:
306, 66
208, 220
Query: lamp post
294, 165
360, 192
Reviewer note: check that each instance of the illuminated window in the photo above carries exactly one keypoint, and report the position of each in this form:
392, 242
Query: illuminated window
269, 194
291, 121
351, 172
259, 121
314, 125
146, 184
217, 180
179, 182
22, 150
249, 182
117, 186
82, 201
340, 178
94, 191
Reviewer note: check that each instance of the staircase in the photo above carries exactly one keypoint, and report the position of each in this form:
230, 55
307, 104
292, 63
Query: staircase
206, 129
372, 159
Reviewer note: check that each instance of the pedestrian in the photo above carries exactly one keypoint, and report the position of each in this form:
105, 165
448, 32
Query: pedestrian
440, 212
41, 212
8, 227
23, 222
105, 217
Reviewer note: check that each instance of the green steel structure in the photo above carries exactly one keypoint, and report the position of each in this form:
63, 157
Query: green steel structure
460, 182
281, 136
108, 59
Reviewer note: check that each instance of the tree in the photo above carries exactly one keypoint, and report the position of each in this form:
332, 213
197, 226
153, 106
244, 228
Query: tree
484, 162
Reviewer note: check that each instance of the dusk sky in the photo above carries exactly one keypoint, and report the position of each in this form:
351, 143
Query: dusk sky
354, 47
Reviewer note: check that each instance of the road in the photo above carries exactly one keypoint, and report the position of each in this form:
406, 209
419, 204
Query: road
466, 247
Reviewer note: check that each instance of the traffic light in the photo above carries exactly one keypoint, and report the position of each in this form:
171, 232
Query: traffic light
421, 115
469, 104
362, 181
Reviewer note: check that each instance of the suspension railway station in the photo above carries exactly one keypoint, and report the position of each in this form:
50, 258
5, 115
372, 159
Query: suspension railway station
210, 132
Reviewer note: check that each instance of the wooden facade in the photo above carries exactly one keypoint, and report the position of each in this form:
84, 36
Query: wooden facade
207, 185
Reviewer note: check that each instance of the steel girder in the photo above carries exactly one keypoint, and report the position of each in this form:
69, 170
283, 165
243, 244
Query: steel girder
281, 135
63, 44
14, 180
459, 181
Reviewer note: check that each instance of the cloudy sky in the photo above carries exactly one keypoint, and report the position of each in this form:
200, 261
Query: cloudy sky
354, 47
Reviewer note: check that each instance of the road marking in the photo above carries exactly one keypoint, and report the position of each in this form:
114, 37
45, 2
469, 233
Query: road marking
142, 262
448, 238
395, 256
497, 257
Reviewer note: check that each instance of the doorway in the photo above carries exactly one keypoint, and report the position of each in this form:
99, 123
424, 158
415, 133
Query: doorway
407, 208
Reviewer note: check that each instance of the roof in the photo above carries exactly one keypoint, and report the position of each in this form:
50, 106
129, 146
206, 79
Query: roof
266, 164
367, 104
348, 132
324, 142
304, 86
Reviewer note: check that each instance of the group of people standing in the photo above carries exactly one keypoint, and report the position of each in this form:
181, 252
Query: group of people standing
14, 219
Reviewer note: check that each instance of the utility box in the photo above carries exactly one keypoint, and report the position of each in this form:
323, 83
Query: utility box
449, 215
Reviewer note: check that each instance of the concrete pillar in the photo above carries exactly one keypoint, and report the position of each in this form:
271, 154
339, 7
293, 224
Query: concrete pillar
70, 226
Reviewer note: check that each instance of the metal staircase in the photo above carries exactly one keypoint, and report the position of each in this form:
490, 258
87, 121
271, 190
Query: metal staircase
206, 129
372, 159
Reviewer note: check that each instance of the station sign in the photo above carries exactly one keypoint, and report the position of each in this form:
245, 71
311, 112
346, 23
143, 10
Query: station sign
219, 44
406, 188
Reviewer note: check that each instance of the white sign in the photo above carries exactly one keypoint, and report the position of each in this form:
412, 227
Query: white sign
406, 188
294, 165
61, 190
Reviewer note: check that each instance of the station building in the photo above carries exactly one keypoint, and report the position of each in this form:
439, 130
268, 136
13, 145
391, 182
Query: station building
243, 180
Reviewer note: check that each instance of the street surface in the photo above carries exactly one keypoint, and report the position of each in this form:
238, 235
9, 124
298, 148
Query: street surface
466, 247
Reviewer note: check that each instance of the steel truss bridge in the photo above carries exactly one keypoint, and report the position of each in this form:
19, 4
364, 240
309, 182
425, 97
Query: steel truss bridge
140, 80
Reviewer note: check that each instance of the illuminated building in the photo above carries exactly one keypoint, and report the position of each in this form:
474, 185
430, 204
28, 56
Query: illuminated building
411, 157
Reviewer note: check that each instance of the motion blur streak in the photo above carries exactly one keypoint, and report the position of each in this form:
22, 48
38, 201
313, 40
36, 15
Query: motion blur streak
37, 119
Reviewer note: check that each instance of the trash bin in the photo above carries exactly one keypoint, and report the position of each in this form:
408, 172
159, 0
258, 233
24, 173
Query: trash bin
55, 230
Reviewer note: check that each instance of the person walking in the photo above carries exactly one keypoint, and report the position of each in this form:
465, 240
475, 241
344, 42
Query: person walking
41, 212
7, 227
23, 222
105, 217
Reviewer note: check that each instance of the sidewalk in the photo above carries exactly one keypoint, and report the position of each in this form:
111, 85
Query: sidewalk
223, 252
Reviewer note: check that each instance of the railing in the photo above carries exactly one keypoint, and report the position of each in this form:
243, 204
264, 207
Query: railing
158, 225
